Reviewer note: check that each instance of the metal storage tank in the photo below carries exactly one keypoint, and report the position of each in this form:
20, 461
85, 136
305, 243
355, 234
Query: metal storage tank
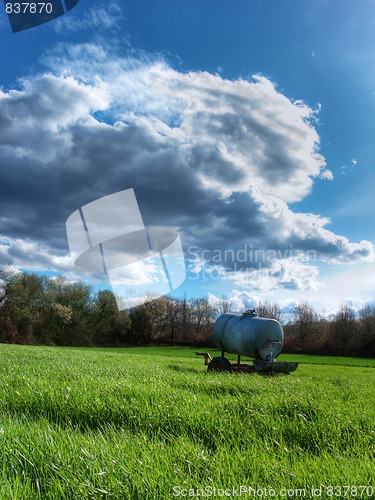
248, 335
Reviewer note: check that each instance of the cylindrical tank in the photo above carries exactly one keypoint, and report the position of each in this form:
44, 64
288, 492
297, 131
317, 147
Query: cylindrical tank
248, 335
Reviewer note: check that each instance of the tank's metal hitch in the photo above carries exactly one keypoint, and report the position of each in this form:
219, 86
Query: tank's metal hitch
206, 355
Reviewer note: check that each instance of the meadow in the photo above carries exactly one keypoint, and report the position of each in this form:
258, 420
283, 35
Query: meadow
151, 423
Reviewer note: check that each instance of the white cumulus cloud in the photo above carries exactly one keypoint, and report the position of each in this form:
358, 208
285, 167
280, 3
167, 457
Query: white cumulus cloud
219, 159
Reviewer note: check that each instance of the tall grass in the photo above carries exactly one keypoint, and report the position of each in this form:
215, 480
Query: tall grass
136, 423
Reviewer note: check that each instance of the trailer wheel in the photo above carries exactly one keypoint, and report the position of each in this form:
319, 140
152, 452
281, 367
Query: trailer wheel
219, 364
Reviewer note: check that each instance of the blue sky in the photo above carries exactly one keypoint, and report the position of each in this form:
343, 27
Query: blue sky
115, 94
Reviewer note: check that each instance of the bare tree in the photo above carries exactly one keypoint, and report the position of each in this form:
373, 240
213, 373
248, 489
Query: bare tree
185, 312
224, 305
268, 310
367, 323
346, 329
304, 318
173, 313
203, 315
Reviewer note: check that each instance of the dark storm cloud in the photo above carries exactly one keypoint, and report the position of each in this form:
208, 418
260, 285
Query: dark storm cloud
217, 159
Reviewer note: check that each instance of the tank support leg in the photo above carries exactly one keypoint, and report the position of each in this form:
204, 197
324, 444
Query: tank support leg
222, 353
239, 360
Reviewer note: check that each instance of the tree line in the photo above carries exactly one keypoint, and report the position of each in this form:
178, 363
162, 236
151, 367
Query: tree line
52, 311
349, 332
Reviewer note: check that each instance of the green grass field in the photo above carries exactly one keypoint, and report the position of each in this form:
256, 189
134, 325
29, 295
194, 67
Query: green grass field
151, 423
